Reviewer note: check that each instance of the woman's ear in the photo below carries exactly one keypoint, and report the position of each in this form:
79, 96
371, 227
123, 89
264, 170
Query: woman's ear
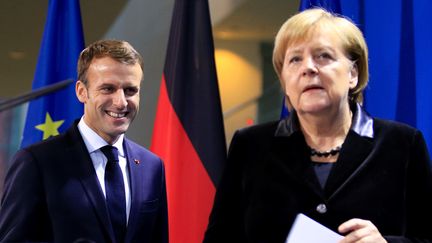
353, 76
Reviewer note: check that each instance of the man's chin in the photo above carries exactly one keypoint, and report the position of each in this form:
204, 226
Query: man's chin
119, 123
119, 130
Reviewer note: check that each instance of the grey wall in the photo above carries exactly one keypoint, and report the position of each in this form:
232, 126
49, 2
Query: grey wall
154, 19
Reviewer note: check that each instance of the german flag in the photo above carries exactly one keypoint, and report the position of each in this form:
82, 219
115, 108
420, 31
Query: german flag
188, 133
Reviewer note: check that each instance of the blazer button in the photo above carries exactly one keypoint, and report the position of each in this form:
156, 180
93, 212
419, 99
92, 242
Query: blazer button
321, 208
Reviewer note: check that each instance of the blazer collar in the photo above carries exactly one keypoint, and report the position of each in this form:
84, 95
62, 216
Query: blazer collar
83, 168
135, 181
362, 123
289, 145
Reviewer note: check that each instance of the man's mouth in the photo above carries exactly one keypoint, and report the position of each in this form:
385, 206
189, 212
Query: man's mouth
116, 115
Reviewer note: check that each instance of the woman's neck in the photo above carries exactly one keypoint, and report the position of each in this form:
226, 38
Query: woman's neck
328, 130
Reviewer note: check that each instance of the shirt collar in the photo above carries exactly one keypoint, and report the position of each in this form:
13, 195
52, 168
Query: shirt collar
362, 123
94, 142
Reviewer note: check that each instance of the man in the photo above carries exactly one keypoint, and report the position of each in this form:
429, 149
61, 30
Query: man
74, 187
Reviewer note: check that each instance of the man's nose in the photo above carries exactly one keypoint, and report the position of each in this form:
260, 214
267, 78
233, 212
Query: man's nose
119, 99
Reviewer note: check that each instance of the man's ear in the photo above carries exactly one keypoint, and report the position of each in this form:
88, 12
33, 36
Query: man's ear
81, 91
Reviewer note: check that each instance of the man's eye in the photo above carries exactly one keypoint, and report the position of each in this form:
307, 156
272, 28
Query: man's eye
131, 91
107, 89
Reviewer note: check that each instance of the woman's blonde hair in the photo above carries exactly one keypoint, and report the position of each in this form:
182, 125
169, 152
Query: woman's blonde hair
301, 25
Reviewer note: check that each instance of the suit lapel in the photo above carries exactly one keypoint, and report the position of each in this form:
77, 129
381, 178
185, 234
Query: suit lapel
134, 165
291, 157
352, 158
84, 170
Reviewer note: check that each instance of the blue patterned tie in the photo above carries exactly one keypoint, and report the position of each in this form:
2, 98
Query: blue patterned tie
115, 192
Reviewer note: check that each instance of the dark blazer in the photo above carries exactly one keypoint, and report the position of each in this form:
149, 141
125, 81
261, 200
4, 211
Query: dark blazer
382, 175
52, 194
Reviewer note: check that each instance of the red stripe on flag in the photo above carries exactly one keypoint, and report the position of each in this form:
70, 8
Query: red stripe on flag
189, 187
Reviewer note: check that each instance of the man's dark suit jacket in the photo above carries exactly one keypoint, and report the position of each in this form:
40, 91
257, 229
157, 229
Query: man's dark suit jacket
52, 194
382, 175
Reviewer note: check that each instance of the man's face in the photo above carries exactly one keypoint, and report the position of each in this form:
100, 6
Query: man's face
111, 97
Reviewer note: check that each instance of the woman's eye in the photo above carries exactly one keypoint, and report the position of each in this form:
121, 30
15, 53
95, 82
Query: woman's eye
324, 56
295, 60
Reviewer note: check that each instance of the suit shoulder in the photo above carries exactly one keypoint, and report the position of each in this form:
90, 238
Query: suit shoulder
141, 150
263, 130
49, 145
397, 132
394, 127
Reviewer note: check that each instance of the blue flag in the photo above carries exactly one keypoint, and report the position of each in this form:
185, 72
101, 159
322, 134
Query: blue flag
61, 45
333, 6
399, 41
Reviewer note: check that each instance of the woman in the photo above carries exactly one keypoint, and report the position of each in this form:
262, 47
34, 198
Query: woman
365, 178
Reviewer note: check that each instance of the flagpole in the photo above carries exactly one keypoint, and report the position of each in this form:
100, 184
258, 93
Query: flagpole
10, 103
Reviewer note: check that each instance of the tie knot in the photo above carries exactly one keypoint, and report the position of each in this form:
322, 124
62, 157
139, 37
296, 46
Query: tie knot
110, 152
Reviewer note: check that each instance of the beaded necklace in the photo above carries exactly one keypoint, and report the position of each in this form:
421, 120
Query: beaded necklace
331, 152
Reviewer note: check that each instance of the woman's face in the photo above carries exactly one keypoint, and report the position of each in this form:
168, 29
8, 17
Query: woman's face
317, 74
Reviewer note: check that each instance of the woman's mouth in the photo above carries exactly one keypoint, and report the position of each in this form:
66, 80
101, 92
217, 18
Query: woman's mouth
312, 88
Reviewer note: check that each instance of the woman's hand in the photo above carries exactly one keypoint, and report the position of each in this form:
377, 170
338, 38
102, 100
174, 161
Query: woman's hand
360, 231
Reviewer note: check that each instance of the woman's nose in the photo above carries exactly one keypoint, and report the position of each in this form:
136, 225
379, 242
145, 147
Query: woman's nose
309, 67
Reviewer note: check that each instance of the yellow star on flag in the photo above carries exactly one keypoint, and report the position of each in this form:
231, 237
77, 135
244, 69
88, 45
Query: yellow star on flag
49, 128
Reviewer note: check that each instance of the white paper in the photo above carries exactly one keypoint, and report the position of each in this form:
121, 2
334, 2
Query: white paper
307, 230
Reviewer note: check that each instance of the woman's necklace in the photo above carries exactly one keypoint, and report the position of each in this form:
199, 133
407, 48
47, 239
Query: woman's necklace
328, 153
331, 152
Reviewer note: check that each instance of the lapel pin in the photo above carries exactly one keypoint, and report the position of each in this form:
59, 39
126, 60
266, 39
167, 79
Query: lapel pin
137, 161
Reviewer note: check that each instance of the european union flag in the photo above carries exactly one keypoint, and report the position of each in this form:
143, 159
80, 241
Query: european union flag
61, 45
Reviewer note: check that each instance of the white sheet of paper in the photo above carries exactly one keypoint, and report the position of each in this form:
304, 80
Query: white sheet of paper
307, 230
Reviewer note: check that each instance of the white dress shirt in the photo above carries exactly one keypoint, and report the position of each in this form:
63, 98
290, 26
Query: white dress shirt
93, 143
